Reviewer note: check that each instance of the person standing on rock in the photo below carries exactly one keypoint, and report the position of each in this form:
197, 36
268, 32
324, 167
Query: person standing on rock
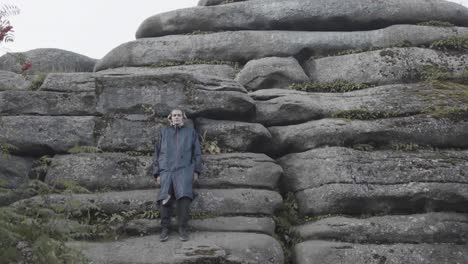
176, 167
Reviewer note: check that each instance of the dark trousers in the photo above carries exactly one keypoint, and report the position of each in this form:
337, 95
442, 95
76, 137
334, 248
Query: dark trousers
183, 212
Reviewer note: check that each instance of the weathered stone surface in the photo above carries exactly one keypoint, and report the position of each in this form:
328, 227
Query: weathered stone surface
203, 247
38, 135
116, 171
394, 65
47, 103
14, 170
216, 2
243, 46
325, 252
129, 133
285, 107
12, 81
119, 171
272, 72
307, 15
336, 132
264, 225
196, 94
69, 82
377, 199
221, 71
234, 135
212, 201
419, 228
240, 170
319, 167
48, 60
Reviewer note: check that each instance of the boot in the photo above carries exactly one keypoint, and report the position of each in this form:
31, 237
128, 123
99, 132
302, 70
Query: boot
164, 234
183, 234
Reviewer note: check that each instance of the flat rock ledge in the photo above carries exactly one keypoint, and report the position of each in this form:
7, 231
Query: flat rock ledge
203, 247
416, 228
319, 167
121, 171
243, 46
306, 15
263, 225
406, 198
277, 107
387, 66
420, 130
324, 252
212, 201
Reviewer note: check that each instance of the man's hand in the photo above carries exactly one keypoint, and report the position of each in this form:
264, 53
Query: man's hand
158, 180
195, 177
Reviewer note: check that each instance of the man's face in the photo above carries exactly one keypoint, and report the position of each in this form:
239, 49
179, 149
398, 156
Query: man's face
176, 117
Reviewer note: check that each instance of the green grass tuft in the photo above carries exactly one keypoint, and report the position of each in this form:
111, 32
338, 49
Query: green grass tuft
37, 81
337, 86
436, 23
459, 43
363, 114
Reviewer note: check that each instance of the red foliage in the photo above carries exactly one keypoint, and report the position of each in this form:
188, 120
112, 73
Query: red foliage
26, 66
4, 32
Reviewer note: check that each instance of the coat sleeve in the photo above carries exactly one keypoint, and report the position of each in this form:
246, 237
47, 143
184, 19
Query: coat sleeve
196, 153
157, 148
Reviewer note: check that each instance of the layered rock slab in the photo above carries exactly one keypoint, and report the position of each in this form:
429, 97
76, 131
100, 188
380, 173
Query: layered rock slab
355, 199
276, 107
418, 130
47, 103
319, 167
48, 60
70, 82
159, 94
325, 252
14, 170
38, 135
221, 71
272, 72
242, 46
203, 247
234, 135
216, 2
120, 171
129, 133
306, 15
417, 228
12, 81
212, 201
387, 66
264, 225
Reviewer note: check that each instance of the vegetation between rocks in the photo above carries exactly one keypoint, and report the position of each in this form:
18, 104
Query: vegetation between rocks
403, 44
37, 81
6, 149
209, 146
454, 113
459, 43
432, 73
236, 65
436, 23
337, 86
364, 114
286, 217
84, 149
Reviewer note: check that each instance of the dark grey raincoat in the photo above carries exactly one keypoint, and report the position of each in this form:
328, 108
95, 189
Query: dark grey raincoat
177, 155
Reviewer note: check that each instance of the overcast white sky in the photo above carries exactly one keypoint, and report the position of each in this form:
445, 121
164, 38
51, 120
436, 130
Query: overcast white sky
88, 27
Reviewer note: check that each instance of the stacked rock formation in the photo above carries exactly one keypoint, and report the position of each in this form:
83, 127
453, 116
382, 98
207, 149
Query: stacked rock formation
379, 173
